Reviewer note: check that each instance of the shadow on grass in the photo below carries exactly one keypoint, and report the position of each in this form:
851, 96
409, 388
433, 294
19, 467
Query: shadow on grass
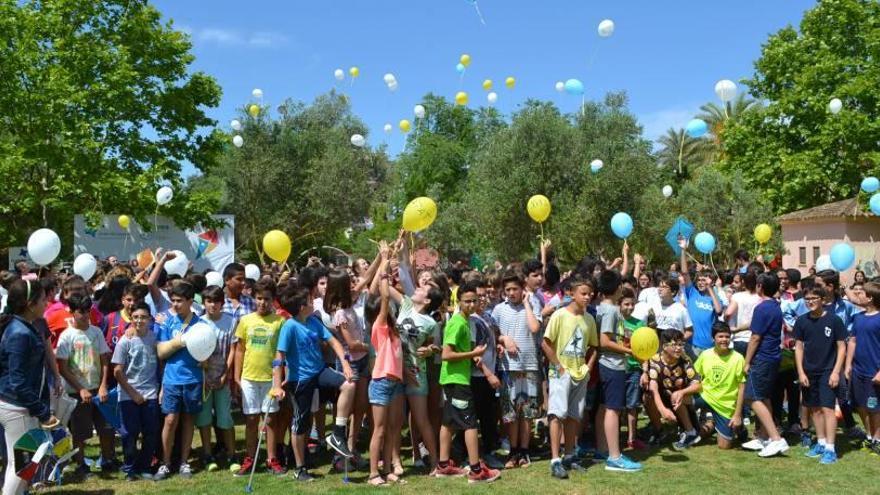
97, 491
674, 458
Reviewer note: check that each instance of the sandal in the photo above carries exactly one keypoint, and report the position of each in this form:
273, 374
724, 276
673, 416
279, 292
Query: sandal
377, 480
393, 478
398, 469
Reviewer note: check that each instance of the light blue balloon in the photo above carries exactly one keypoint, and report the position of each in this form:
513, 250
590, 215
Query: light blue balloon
574, 87
696, 128
705, 242
842, 256
874, 203
621, 225
870, 184
595, 168
460, 68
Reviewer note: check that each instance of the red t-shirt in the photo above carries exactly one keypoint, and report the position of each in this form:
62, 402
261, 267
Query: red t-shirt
59, 318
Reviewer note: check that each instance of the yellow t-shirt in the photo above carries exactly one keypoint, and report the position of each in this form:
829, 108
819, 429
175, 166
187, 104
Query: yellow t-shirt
571, 335
259, 335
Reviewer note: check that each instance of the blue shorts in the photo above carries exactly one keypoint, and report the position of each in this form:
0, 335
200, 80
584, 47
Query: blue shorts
761, 380
819, 393
360, 368
382, 391
613, 388
301, 393
182, 398
722, 424
865, 393
633, 389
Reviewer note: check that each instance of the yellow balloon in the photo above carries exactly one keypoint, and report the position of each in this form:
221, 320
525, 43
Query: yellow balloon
763, 233
276, 244
487, 84
538, 208
254, 110
465, 60
419, 214
461, 98
405, 126
124, 221
354, 72
644, 343
510, 82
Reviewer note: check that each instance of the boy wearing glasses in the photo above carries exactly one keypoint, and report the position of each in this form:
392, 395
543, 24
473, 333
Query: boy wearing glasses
672, 380
819, 356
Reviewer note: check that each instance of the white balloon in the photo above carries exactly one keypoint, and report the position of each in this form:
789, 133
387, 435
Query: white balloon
200, 340
252, 271
726, 90
606, 28
43, 246
388, 128
492, 97
214, 278
560, 86
358, 140
824, 263
419, 111
835, 106
597, 164
85, 266
164, 195
339, 74
389, 78
392, 86
178, 265
257, 93
238, 141
667, 191
235, 124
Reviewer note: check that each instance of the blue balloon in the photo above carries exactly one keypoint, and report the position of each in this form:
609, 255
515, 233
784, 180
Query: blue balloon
696, 128
621, 225
595, 168
574, 87
870, 184
842, 256
875, 204
460, 68
704, 242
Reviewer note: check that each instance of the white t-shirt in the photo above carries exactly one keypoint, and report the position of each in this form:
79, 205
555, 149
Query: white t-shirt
675, 316
82, 349
745, 306
650, 297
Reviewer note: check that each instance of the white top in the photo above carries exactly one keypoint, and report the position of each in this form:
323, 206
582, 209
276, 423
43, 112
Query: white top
745, 306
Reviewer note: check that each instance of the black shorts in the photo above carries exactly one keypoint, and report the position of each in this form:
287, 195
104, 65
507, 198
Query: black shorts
458, 409
302, 394
820, 394
761, 380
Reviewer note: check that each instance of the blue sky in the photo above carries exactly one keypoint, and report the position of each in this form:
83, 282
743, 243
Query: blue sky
666, 55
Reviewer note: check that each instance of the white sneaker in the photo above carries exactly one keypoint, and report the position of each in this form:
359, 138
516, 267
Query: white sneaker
755, 444
775, 447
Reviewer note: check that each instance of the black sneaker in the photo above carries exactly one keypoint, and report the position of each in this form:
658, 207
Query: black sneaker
558, 471
83, 472
109, 466
685, 441
302, 474
339, 445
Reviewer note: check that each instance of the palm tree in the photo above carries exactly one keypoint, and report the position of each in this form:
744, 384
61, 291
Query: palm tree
682, 152
718, 116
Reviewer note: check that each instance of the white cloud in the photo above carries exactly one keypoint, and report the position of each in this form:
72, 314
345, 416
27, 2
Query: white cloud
655, 124
266, 39
218, 36
233, 37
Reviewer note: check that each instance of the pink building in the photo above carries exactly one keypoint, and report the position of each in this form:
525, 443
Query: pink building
810, 233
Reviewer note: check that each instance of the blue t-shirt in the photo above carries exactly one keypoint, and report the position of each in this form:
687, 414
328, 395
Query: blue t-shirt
702, 313
181, 368
767, 322
866, 330
301, 345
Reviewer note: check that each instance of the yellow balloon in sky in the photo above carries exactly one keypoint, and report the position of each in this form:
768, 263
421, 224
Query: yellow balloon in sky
124, 221
254, 110
465, 60
538, 208
419, 214
461, 98
276, 245
487, 84
644, 343
354, 72
510, 82
763, 233
405, 126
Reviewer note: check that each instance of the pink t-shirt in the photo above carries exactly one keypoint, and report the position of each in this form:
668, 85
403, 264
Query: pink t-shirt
389, 353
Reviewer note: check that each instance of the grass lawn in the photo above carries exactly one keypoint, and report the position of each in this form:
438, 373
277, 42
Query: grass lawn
702, 469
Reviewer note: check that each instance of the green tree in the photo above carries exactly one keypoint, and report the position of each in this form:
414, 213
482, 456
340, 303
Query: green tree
718, 117
682, 155
99, 106
794, 149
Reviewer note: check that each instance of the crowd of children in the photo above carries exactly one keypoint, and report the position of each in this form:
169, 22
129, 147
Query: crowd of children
522, 362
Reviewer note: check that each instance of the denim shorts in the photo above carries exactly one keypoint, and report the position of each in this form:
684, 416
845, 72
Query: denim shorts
761, 380
722, 424
182, 398
360, 368
633, 389
382, 391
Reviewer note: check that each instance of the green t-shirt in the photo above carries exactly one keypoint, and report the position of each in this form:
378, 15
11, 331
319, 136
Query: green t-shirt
571, 335
721, 376
630, 325
457, 335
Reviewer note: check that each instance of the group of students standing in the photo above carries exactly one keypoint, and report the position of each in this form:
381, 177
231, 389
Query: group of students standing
471, 361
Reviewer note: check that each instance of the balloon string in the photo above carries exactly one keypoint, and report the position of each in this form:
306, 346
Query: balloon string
542, 232
713, 265
479, 14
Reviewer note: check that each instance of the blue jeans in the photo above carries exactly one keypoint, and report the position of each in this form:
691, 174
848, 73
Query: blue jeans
139, 420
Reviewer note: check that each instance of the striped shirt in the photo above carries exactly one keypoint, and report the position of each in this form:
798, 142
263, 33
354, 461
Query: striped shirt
246, 305
512, 322
225, 329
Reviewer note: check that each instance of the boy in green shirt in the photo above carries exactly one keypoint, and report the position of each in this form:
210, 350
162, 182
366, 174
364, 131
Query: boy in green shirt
722, 385
455, 377
633, 369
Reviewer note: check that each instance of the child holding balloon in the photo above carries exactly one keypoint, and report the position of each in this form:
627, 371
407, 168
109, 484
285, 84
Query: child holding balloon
672, 381
634, 390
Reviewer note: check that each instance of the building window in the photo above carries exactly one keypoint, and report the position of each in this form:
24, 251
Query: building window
802, 256
815, 253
